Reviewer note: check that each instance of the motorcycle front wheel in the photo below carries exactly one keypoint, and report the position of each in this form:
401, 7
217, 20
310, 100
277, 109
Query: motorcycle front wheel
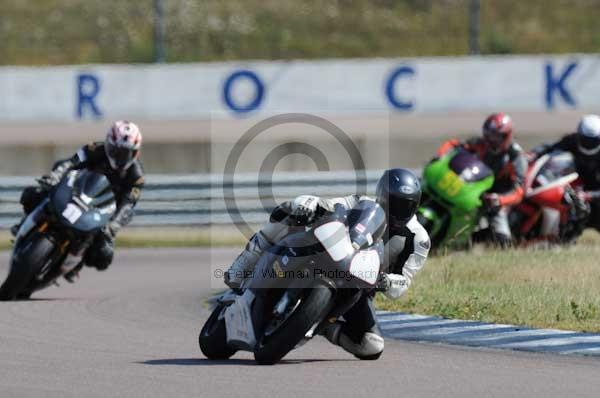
213, 337
26, 262
313, 307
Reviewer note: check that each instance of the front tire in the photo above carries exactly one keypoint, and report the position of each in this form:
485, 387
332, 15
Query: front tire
312, 309
213, 337
25, 265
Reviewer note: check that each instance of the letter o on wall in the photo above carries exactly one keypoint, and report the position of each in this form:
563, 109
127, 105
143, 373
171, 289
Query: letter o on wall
393, 99
259, 91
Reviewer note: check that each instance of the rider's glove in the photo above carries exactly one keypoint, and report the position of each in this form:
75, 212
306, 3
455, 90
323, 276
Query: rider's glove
392, 285
491, 201
531, 156
49, 180
110, 230
304, 208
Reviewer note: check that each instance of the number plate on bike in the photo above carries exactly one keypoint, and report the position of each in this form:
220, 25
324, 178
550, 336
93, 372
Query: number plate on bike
72, 213
365, 266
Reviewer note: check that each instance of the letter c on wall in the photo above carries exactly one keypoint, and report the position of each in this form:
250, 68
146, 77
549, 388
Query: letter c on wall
394, 100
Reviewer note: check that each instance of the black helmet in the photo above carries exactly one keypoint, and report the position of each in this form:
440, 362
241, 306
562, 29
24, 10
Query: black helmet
399, 193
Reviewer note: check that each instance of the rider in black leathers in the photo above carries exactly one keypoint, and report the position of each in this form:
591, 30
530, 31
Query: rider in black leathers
584, 145
118, 159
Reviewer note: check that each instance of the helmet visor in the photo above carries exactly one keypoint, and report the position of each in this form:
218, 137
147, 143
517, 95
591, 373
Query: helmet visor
120, 157
495, 139
401, 210
589, 143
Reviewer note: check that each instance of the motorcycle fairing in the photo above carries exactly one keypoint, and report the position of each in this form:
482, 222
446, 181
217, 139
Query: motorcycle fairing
238, 321
335, 239
453, 185
365, 266
83, 200
548, 176
30, 221
459, 183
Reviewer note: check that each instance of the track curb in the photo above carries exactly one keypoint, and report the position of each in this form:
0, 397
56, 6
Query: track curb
433, 329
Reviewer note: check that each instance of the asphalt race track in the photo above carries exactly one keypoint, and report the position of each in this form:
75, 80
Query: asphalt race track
132, 331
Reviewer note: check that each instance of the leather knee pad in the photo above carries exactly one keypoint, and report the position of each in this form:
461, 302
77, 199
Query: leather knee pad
31, 198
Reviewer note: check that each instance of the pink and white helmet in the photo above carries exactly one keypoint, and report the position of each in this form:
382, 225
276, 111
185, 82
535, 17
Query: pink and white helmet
122, 144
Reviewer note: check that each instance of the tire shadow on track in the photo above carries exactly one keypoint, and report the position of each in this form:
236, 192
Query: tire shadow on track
229, 362
42, 300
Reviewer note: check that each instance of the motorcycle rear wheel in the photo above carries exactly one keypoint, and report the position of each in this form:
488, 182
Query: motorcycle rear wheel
213, 337
30, 260
312, 309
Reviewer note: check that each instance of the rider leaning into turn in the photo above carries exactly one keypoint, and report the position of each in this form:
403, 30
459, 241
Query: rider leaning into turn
584, 145
406, 249
118, 159
506, 159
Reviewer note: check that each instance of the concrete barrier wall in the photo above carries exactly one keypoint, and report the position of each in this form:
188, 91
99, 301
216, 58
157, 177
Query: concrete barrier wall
173, 147
192, 114
228, 90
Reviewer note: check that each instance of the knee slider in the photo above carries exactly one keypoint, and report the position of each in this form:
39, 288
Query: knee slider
30, 198
370, 347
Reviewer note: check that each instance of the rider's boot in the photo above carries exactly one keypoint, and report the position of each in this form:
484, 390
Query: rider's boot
73, 275
244, 264
369, 346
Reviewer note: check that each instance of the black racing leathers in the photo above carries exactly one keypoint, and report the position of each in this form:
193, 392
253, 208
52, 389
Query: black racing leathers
127, 186
587, 166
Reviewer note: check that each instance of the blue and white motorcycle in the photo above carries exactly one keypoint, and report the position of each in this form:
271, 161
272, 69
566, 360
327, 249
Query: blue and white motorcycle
53, 238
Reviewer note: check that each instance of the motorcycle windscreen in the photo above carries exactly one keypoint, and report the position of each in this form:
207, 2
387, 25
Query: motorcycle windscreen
286, 262
559, 165
84, 200
459, 179
468, 167
367, 223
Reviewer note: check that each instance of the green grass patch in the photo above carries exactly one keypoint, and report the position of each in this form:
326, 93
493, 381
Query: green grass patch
550, 288
179, 237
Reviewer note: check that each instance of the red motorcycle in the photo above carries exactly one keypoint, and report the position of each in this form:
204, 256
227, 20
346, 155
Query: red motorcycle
551, 210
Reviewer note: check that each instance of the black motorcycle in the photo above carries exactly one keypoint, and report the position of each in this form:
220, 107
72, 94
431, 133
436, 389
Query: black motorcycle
53, 238
301, 284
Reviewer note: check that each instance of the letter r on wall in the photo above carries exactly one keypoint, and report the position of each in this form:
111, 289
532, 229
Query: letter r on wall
88, 88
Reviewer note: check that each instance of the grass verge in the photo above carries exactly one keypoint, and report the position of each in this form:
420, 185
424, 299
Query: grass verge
166, 237
552, 288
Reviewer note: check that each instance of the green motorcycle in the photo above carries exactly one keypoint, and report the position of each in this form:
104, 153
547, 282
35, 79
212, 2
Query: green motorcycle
451, 204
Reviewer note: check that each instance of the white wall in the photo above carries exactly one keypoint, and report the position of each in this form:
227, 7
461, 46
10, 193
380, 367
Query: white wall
197, 91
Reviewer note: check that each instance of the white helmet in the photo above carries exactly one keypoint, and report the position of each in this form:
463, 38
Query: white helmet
122, 144
588, 134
